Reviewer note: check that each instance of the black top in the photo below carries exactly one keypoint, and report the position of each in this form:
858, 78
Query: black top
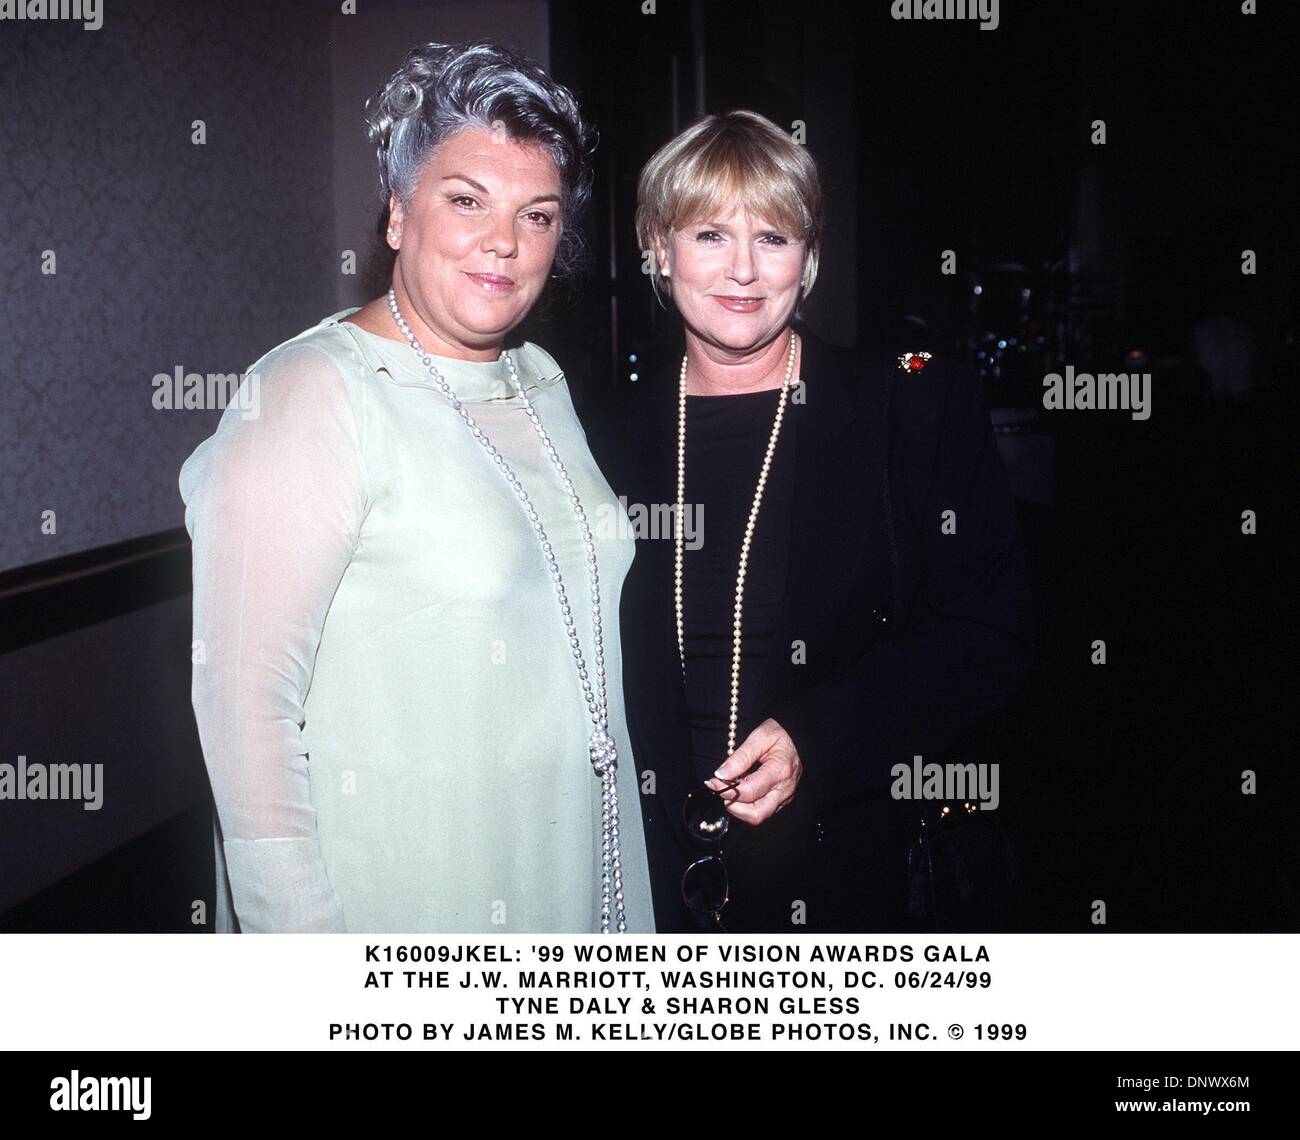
866, 694
726, 439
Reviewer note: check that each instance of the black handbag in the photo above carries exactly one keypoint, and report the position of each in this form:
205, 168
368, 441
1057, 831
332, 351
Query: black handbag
962, 871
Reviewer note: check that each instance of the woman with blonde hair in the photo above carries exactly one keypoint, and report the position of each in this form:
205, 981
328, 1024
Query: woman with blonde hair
828, 625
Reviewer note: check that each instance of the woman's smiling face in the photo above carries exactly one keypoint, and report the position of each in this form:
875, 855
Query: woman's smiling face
477, 240
735, 278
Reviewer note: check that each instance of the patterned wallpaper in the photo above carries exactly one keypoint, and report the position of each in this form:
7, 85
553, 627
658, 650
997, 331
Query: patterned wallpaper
167, 254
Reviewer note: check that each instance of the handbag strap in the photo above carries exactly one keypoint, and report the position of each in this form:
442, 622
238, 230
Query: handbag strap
926, 832
895, 586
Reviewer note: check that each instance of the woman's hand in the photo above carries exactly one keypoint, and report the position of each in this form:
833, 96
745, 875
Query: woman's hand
764, 792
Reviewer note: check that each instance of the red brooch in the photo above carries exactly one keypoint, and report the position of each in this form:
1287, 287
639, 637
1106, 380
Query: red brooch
913, 361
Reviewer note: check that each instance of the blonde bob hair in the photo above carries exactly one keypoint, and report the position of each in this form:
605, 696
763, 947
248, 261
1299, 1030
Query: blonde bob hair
723, 161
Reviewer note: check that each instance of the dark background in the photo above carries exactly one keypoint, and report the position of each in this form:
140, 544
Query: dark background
1120, 782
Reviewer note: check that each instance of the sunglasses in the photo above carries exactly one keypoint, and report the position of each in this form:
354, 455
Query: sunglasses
705, 886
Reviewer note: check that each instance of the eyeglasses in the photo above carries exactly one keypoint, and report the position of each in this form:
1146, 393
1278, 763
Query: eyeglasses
705, 886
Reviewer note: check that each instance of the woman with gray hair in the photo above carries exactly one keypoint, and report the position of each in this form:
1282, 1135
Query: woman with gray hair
407, 666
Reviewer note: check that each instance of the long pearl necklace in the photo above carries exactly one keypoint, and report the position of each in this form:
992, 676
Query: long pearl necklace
601, 749
744, 546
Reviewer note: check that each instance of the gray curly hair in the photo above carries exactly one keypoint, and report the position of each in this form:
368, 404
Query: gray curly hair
441, 89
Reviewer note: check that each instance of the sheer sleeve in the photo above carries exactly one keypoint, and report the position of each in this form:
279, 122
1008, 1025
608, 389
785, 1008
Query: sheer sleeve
274, 505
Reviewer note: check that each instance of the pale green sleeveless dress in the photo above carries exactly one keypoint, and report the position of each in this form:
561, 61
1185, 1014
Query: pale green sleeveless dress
390, 715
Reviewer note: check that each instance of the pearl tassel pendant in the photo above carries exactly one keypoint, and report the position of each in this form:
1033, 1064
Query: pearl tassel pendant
678, 532
601, 750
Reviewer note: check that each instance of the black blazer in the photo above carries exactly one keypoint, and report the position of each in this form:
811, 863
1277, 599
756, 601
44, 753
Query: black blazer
910, 637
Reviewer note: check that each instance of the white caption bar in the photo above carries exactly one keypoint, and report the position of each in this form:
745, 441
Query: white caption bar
1102, 991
